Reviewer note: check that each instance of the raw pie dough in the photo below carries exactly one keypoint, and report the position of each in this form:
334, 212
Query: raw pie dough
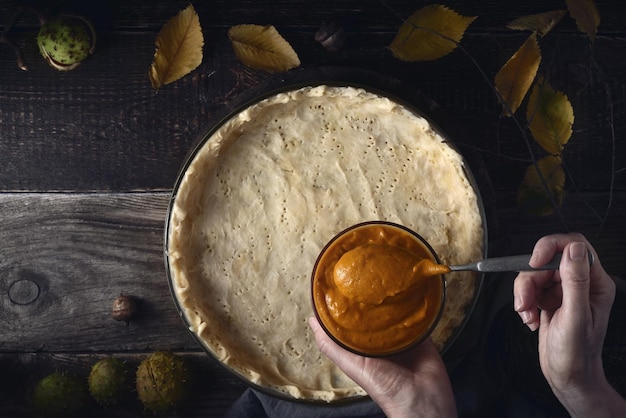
271, 187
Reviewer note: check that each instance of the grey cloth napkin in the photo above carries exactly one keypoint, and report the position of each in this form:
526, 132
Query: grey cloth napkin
254, 404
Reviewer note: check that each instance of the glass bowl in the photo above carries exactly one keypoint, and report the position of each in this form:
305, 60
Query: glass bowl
383, 316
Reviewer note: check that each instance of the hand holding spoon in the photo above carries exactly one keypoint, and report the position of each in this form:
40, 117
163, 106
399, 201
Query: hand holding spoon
372, 273
493, 265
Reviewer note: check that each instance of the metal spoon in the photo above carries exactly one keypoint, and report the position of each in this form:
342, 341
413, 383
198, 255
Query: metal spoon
511, 263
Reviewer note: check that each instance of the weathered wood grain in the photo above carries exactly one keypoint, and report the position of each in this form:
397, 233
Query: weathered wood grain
367, 14
102, 127
213, 391
64, 258
602, 222
88, 158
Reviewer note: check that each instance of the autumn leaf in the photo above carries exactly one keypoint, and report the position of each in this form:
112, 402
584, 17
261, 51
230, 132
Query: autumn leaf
550, 116
542, 23
430, 33
514, 79
532, 196
178, 48
586, 15
262, 48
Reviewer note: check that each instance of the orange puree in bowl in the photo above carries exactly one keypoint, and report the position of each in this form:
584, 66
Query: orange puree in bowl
377, 289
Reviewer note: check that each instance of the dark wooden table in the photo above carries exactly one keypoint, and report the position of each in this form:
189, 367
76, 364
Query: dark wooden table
88, 159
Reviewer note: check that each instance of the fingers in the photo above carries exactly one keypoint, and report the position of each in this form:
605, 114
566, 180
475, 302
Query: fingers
575, 280
324, 342
525, 301
542, 290
396, 380
350, 363
529, 290
424, 357
546, 247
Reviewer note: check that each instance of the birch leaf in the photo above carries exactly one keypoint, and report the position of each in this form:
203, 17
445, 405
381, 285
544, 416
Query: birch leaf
542, 23
178, 48
551, 116
532, 196
429, 34
516, 76
262, 48
586, 15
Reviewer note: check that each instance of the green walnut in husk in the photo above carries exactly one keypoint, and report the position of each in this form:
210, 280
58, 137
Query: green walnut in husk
109, 381
66, 40
162, 381
60, 395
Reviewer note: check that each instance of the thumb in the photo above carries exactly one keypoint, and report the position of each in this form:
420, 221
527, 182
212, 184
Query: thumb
574, 272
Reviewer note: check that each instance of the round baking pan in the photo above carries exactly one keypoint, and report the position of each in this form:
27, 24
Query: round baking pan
380, 85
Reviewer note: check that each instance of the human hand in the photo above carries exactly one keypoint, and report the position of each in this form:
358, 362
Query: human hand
571, 308
411, 384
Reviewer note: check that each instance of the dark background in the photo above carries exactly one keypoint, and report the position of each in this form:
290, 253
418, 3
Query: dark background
88, 159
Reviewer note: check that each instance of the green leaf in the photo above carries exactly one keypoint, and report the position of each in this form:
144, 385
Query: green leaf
550, 116
533, 195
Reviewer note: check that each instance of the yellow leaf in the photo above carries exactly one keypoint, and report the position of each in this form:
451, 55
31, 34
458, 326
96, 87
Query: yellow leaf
550, 116
532, 195
178, 48
262, 48
430, 33
542, 23
586, 15
516, 76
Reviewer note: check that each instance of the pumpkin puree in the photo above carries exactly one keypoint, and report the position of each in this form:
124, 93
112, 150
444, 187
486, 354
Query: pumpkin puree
377, 289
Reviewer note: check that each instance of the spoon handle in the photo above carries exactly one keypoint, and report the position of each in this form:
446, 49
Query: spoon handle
511, 263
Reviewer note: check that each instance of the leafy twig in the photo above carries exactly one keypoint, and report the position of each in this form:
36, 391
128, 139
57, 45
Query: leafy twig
591, 208
520, 126
607, 91
21, 62
523, 127
6, 39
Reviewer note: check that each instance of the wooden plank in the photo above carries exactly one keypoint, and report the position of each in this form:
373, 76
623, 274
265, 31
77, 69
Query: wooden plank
372, 14
82, 249
213, 391
102, 127
600, 220
64, 258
